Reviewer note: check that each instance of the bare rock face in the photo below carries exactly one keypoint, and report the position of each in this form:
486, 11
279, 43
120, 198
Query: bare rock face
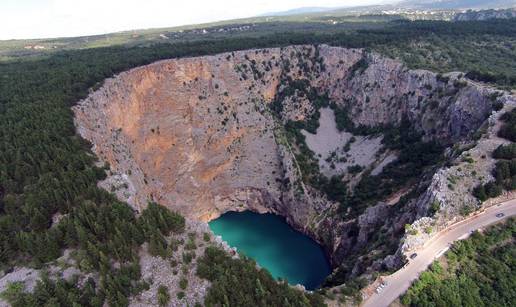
450, 190
382, 91
206, 135
187, 133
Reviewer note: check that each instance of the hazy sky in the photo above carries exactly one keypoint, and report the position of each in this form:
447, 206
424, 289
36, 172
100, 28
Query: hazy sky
58, 18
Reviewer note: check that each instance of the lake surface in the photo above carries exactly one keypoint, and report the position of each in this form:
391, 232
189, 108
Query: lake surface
274, 245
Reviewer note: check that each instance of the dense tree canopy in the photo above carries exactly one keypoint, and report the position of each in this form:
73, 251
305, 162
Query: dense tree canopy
478, 271
239, 283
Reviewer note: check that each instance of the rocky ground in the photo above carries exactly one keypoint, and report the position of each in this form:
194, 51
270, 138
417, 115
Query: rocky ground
63, 267
155, 270
337, 150
168, 272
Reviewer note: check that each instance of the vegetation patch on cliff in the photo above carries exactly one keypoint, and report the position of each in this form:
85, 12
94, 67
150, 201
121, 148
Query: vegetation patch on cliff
505, 168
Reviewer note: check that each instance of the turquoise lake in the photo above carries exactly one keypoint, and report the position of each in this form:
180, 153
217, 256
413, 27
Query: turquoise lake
274, 245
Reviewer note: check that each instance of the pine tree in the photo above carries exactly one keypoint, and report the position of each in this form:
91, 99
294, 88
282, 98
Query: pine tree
157, 245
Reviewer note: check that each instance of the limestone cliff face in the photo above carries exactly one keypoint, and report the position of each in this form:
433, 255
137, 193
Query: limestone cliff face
188, 133
199, 135
446, 108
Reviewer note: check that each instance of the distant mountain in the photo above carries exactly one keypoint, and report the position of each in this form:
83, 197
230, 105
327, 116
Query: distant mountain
456, 4
405, 4
485, 14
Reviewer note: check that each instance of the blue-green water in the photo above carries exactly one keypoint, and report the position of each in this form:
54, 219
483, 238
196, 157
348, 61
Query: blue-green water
274, 245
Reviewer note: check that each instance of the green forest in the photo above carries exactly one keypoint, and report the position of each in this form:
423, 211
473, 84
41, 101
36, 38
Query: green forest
102, 232
237, 282
505, 168
478, 271
47, 170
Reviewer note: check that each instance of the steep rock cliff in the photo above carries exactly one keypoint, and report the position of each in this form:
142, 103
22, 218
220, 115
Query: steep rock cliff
207, 135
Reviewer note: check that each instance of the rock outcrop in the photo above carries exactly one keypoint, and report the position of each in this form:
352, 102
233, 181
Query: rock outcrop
485, 14
206, 135
450, 190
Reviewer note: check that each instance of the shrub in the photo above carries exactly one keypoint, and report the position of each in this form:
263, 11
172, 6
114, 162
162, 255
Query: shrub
508, 129
480, 192
163, 296
359, 67
206, 237
505, 152
183, 283
434, 208
355, 169
188, 257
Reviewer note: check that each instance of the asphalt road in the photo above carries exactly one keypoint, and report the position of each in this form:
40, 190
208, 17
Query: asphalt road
401, 280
